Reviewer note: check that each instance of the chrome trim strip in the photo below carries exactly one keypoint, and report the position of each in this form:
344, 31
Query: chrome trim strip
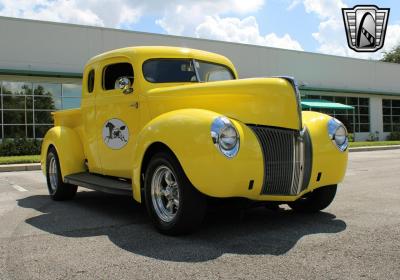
294, 165
295, 86
286, 171
196, 71
300, 144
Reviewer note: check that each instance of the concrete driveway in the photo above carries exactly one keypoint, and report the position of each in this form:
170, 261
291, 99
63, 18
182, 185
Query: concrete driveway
101, 236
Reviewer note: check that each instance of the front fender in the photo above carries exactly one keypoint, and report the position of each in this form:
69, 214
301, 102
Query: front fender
187, 133
327, 159
69, 149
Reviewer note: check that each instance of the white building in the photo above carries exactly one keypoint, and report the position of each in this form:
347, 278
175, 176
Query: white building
41, 63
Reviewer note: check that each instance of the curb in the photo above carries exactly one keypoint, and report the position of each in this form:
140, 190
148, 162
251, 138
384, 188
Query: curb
376, 148
20, 167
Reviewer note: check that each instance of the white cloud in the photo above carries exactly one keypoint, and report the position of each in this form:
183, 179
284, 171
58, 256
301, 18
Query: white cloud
324, 8
332, 37
182, 17
175, 15
90, 12
392, 38
60, 11
243, 31
294, 4
129, 15
204, 20
285, 42
330, 34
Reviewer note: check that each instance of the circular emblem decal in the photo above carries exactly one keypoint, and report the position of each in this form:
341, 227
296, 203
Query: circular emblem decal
115, 134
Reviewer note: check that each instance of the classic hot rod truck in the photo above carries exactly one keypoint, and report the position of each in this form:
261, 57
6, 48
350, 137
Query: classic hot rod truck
175, 126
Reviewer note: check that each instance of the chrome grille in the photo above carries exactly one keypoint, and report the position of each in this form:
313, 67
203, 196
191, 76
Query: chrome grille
287, 160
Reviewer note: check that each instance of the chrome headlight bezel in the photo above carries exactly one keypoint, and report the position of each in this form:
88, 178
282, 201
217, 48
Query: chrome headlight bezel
338, 134
223, 126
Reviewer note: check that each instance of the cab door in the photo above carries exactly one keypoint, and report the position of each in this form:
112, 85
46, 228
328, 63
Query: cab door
117, 117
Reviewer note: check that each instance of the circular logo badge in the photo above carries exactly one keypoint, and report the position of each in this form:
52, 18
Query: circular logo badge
115, 134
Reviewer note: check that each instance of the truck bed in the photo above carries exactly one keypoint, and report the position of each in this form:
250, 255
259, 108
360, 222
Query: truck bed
70, 118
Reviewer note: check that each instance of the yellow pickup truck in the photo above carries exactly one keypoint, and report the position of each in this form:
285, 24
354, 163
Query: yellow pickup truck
174, 126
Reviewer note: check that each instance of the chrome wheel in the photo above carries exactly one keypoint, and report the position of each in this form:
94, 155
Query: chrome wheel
165, 193
53, 173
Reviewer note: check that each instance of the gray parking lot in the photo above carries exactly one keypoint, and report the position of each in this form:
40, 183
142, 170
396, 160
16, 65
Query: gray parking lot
101, 236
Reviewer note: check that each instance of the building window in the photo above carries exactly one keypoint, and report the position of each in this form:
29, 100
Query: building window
47, 96
357, 121
391, 115
71, 103
71, 96
26, 107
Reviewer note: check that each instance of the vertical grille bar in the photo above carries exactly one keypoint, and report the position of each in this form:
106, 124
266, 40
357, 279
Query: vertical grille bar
286, 158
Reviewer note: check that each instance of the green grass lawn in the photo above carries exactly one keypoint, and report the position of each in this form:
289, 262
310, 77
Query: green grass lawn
19, 159
373, 143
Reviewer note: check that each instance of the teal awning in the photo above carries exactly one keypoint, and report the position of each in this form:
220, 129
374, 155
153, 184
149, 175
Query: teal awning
323, 104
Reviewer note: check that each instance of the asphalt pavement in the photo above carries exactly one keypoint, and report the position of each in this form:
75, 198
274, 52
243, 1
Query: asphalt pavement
102, 236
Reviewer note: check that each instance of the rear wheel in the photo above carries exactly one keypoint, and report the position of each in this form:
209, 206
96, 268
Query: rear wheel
58, 190
316, 201
174, 205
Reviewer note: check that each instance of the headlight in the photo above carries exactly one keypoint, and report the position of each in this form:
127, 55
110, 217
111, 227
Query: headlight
225, 136
338, 134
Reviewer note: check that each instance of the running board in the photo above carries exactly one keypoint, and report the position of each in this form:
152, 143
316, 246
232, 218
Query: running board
100, 183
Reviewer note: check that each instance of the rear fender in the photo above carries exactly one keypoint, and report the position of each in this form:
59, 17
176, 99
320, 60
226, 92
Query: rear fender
68, 145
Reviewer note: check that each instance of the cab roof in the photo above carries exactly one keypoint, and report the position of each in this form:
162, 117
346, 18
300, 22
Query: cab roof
148, 52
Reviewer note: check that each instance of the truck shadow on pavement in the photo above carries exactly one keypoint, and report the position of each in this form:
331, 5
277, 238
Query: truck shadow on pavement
125, 223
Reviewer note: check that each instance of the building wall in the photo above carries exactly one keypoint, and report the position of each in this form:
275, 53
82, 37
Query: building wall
54, 47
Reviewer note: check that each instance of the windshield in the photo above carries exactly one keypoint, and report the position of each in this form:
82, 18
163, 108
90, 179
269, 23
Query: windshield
184, 70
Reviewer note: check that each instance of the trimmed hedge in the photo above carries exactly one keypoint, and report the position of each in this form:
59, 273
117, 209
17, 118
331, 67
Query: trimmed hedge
395, 135
20, 147
20, 159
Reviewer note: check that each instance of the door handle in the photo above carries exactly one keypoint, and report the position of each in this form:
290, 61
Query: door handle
135, 105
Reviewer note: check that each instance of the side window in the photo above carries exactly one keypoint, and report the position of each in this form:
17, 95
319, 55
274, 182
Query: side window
112, 73
219, 75
90, 81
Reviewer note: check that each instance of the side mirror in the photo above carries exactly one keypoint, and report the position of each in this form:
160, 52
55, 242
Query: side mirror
124, 84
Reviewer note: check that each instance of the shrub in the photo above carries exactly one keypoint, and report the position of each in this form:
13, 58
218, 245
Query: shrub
20, 147
373, 136
395, 135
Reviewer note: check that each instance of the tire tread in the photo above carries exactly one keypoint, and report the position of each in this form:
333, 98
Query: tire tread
192, 205
316, 201
64, 191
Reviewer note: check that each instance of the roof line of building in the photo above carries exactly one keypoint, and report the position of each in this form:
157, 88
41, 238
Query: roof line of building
34, 73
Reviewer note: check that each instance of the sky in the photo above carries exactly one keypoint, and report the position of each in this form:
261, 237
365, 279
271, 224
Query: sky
304, 25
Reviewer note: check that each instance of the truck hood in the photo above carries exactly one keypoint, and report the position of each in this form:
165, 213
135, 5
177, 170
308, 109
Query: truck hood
261, 101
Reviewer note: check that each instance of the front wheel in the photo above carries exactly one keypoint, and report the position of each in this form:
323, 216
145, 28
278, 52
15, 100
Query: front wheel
174, 205
58, 190
316, 201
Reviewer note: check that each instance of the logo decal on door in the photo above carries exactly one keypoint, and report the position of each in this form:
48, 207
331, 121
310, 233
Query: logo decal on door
115, 134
